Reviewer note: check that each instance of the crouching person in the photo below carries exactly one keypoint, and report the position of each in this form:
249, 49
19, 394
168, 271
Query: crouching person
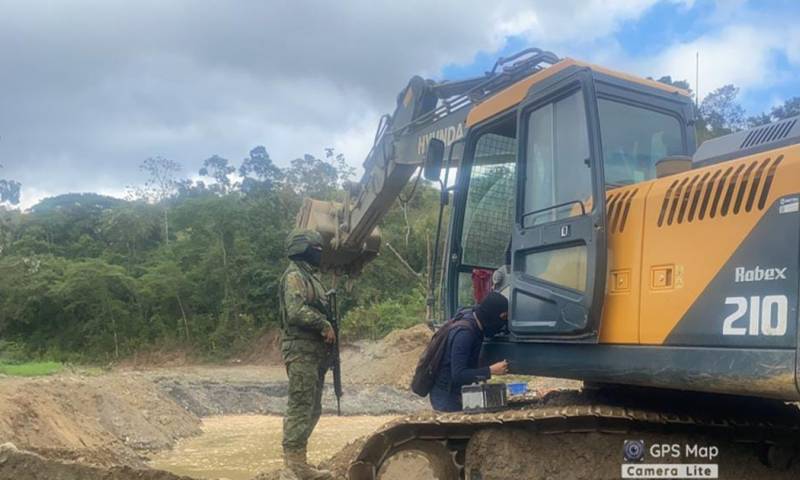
459, 362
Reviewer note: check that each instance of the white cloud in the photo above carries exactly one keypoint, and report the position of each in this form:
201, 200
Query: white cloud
30, 196
89, 89
569, 21
743, 43
740, 54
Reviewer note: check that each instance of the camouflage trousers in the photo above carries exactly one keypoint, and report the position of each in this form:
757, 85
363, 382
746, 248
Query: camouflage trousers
306, 379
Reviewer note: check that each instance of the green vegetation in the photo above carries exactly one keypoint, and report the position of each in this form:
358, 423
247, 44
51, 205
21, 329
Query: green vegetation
186, 264
30, 369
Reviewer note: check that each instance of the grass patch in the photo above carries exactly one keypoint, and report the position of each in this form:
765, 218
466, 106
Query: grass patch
31, 369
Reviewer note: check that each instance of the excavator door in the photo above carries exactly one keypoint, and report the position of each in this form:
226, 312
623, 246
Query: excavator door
558, 243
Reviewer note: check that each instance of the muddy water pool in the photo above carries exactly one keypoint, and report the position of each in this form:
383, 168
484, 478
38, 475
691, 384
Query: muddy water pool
237, 447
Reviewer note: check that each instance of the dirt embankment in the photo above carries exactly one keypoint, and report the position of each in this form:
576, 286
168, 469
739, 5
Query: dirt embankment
390, 361
105, 420
208, 397
21, 465
106, 426
76, 426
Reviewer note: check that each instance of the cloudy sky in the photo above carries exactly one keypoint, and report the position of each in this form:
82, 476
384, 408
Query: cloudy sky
88, 89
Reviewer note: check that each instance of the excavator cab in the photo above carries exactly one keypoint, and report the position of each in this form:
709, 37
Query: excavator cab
531, 192
543, 207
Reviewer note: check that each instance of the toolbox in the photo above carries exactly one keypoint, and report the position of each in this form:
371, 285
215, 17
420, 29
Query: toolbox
484, 397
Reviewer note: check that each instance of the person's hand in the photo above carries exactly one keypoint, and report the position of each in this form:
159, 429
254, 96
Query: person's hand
499, 368
330, 336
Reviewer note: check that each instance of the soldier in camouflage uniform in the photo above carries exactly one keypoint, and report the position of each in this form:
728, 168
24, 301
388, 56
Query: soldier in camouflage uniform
306, 336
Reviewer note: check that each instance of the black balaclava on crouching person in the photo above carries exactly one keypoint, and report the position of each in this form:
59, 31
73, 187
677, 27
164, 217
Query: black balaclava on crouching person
489, 311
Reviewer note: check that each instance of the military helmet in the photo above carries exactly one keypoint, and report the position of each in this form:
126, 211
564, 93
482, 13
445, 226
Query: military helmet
299, 240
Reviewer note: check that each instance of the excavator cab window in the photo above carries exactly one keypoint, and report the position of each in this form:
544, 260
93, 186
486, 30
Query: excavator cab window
557, 178
634, 138
489, 183
557, 170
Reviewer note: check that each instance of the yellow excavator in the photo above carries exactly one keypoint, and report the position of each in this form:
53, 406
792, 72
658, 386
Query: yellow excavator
630, 256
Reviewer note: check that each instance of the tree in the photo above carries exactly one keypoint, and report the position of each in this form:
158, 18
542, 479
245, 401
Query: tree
343, 169
758, 120
97, 299
258, 172
667, 79
9, 225
9, 191
720, 112
160, 186
69, 201
30, 312
128, 229
789, 108
310, 176
219, 169
165, 286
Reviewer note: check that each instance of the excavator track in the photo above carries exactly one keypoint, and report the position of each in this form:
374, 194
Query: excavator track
773, 424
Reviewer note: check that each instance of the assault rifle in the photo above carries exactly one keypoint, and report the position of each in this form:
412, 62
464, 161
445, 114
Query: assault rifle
336, 366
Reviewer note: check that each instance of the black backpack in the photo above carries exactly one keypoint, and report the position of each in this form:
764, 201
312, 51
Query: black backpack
431, 359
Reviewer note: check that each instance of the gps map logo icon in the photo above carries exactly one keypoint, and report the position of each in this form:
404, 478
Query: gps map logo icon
633, 450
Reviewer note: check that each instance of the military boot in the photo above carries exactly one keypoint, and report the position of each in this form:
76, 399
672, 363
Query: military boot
295, 460
287, 474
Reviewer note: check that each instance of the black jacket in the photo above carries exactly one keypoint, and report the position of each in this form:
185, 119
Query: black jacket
459, 364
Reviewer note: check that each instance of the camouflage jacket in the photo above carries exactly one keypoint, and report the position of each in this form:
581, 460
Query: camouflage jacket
303, 315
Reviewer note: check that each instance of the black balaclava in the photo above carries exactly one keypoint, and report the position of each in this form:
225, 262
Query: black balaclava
489, 311
313, 255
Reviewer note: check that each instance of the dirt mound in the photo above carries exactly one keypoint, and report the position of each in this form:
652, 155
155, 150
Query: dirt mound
160, 357
22, 465
388, 362
265, 350
208, 397
403, 341
106, 420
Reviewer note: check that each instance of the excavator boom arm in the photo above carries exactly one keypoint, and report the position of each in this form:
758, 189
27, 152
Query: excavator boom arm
425, 110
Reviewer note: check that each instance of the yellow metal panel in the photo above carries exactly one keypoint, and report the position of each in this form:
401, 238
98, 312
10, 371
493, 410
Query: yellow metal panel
620, 321
514, 94
695, 251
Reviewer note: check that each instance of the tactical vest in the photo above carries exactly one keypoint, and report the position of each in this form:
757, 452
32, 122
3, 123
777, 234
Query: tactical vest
315, 298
